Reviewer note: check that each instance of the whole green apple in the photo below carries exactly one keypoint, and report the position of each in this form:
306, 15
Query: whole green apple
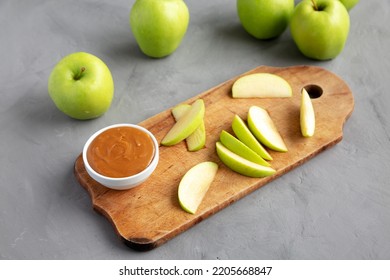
265, 19
81, 86
320, 28
159, 25
349, 4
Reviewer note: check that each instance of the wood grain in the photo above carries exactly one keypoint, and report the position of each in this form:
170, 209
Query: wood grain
149, 215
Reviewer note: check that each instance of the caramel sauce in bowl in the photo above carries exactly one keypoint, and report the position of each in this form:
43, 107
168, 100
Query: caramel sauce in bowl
121, 156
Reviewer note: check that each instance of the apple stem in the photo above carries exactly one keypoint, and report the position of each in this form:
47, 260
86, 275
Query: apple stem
315, 5
78, 75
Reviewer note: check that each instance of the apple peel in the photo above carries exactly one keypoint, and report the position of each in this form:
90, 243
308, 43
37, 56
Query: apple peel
244, 134
239, 148
186, 124
242, 165
197, 139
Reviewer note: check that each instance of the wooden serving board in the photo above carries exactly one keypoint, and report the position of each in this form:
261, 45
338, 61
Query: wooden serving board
149, 215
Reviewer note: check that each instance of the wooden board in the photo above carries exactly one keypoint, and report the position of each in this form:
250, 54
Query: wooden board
149, 215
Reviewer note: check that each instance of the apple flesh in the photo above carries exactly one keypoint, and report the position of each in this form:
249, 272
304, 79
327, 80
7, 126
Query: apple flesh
264, 129
320, 28
261, 85
186, 125
265, 19
159, 25
242, 165
307, 116
195, 184
243, 133
197, 139
81, 86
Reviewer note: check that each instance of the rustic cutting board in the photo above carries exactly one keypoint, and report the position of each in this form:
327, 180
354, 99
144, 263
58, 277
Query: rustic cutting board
149, 215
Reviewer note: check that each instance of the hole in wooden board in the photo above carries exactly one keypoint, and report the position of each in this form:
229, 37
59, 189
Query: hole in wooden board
314, 91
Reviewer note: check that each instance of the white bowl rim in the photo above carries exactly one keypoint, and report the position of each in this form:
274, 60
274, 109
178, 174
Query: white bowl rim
119, 179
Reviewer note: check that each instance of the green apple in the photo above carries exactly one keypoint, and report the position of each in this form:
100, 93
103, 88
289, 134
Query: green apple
265, 19
320, 28
242, 165
307, 116
81, 86
197, 139
264, 129
245, 135
195, 184
239, 148
159, 25
186, 125
261, 85
349, 4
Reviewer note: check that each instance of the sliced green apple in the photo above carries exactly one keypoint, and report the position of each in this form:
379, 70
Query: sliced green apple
197, 139
194, 185
307, 116
262, 126
186, 125
239, 148
261, 85
242, 165
245, 135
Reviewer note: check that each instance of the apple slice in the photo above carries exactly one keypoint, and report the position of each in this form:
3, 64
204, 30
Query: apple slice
262, 126
186, 125
194, 185
242, 165
307, 116
239, 148
197, 139
245, 135
261, 85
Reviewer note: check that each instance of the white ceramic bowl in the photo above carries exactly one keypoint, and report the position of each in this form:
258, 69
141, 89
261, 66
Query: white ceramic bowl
123, 183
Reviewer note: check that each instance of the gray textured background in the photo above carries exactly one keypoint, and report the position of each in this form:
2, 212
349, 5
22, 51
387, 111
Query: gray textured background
336, 206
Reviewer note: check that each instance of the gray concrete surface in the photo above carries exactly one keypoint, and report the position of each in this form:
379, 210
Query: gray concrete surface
336, 206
